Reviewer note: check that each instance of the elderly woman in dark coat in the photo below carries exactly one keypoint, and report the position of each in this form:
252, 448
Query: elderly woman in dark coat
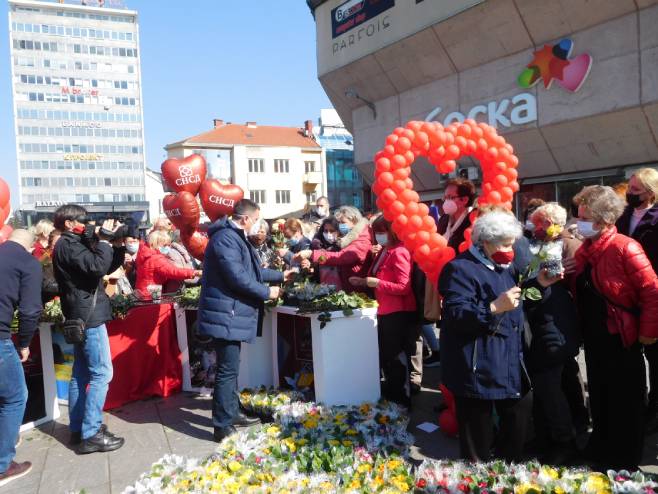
482, 340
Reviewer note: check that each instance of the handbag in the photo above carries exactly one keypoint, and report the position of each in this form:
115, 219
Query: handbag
432, 306
74, 329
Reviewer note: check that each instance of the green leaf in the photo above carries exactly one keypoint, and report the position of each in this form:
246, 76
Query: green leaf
532, 293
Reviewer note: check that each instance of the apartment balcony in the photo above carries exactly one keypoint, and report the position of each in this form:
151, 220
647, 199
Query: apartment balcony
313, 178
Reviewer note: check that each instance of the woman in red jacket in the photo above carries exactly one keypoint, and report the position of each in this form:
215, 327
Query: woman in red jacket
153, 266
617, 294
397, 324
355, 242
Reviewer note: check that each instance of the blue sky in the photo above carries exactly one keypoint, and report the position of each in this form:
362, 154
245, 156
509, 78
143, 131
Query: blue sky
239, 60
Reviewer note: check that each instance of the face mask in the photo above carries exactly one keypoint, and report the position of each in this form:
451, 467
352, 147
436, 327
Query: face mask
586, 229
503, 257
292, 242
79, 229
530, 226
132, 248
329, 237
321, 210
633, 200
165, 250
381, 238
255, 228
450, 207
344, 229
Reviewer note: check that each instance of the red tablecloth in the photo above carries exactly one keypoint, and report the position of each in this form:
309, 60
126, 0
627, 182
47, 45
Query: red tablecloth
145, 355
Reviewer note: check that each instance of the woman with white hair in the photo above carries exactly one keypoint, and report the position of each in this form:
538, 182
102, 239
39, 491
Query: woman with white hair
617, 293
355, 242
42, 232
555, 342
265, 253
482, 340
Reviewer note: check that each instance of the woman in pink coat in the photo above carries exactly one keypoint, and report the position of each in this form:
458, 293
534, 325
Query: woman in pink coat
397, 322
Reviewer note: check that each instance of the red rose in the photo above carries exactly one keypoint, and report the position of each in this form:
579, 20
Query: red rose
421, 484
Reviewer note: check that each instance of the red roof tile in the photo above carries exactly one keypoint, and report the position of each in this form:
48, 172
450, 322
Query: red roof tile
260, 135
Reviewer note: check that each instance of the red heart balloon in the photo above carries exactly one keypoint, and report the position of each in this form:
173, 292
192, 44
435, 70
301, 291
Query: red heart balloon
218, 199
184, 175
182, 209
4, 194
5, 231
4, 214
195, 242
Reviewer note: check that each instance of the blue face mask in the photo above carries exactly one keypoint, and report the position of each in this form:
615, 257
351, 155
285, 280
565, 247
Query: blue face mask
343, 229
165, 250
293, 241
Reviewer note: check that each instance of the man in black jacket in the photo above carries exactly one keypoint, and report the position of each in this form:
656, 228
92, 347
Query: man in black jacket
20, 289
82, 257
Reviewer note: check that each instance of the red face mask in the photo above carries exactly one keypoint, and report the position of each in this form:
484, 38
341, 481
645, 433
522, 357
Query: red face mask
502, 257
79, 229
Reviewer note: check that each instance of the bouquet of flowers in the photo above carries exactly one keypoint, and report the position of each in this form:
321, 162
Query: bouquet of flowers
52, 311
188, 297
121, 304
264, 401
278, 238
306, 291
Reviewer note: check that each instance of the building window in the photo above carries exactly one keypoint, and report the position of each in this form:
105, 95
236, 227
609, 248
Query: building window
256, 166
311, 197
258, 196
283, 196
309, 166
282, 166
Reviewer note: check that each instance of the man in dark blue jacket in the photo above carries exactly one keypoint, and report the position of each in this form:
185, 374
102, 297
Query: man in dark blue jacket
20, 289
232, 304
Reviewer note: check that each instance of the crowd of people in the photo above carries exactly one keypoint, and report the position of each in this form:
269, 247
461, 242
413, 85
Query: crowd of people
512, 312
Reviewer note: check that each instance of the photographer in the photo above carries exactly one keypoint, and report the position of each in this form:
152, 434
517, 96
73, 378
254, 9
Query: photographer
81, 258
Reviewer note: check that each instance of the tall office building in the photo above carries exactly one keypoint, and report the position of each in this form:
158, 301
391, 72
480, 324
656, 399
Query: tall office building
77, 107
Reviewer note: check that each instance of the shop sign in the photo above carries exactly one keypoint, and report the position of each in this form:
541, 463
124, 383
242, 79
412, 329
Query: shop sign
77, 90
83, 157
518, 110
87, 125
353, 13
48, 204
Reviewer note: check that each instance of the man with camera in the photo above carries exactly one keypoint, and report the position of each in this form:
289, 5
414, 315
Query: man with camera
82, 256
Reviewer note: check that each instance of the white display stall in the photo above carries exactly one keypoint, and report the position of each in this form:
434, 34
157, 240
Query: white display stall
345, 356
51, 405
256, 365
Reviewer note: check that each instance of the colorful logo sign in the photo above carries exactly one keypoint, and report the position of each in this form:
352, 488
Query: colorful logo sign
353, 13
553, 63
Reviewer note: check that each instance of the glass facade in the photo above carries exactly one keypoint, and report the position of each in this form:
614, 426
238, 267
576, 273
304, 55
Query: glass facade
77, 100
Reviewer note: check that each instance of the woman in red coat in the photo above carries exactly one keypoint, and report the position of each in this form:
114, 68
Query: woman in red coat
153, 266
355, 242
617, 294
397, 323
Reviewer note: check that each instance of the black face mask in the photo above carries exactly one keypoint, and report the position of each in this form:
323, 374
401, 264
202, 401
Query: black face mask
633, 200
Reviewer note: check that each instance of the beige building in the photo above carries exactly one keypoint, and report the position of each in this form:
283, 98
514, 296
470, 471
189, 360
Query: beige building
281, 168
591, 115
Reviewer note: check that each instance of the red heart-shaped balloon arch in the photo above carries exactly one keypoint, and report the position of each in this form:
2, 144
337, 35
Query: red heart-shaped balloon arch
399, 201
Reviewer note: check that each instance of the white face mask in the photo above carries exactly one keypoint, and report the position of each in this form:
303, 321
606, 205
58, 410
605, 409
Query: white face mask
381, 238
530, 226
329, 237
321, 210
450, 207
132, 247
586, 229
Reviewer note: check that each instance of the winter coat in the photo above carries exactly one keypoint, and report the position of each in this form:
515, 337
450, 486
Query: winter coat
154, 268
622, 273
79, 266
554, 328
481, 353
353, 258
457, 236
646, 232
233, 292
394, 293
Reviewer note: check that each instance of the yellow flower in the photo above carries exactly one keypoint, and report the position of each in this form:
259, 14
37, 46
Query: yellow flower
400, 485
326, 486
364, 468
310, 424
597, 483
351, 432
333, 442
355, 484
302, 441
551, 472
378, 482
393, 464
364, 409
234, 466
290, 444
347, 443
273, 430
526, 487
553, 231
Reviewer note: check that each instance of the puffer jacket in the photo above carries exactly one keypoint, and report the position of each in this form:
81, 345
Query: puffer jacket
481, 352
154, 268
233, 292
622, 273
353, 258
394, 293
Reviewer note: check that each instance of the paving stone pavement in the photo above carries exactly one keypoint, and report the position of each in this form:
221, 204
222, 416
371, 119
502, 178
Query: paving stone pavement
181, 425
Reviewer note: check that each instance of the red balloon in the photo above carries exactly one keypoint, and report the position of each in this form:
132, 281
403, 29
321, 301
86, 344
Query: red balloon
402, 173
448, 423
392, 139
411, 208
218, 199
386, 178
383, 165
195, 242
4, 214
4, 194
184, 174
396, 207
398, 161
182, 209
398, 186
